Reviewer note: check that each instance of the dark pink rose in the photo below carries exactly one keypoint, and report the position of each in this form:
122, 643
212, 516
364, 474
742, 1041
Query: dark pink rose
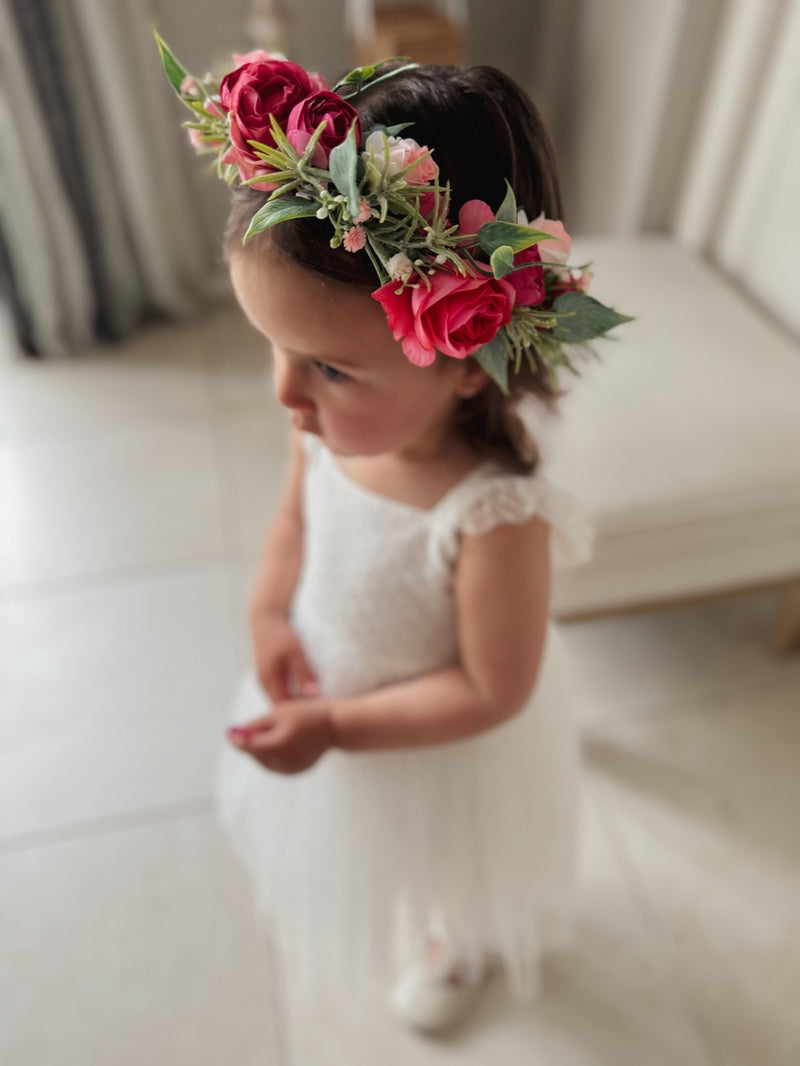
529, 284
251, 94
456, 315
427, 204
327, 107
258, 55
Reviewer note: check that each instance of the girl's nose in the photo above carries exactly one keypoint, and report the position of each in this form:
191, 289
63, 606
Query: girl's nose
290, 385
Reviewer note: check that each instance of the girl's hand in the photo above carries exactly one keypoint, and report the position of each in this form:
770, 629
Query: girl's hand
290, 739
280, 662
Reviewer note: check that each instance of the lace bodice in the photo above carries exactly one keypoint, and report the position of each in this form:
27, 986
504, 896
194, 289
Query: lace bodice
374, 603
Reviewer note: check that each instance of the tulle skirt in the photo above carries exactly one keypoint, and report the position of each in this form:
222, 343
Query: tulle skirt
357, 860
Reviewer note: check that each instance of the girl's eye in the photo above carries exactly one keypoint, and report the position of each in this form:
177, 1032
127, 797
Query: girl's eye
330, 372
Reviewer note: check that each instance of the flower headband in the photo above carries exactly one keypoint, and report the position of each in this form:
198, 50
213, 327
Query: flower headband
492, 285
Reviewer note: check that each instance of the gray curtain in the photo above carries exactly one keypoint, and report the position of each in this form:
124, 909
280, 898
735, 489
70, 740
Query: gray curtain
100, 221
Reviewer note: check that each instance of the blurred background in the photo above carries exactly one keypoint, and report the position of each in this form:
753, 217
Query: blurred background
141, 454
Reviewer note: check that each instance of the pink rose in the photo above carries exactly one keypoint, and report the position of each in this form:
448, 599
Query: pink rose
558, 248
456, 315
473, 215
402, 152
327, 107
251, 94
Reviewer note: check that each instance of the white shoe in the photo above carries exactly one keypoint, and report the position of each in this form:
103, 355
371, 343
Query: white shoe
431, 999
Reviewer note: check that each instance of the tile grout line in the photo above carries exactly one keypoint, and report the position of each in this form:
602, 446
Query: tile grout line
71, 832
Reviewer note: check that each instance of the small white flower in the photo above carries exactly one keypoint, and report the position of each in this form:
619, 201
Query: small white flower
400, 267
441, 259
322, 213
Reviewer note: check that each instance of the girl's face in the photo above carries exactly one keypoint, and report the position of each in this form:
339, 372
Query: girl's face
338, 368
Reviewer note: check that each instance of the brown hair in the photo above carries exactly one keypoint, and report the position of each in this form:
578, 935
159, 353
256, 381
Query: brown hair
483, 130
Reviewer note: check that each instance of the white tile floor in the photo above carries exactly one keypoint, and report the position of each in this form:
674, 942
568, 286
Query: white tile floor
134, 485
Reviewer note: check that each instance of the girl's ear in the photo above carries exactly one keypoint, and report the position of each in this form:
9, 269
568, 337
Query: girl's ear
471, 379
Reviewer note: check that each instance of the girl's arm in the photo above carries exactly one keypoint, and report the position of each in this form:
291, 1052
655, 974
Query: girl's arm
280, 662
502, 596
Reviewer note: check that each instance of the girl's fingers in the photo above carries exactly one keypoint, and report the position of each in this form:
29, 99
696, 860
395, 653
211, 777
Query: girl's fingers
275, 681
242, 735
304, 682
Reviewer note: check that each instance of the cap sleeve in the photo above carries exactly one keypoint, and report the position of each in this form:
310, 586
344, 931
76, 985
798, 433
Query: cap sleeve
487, 499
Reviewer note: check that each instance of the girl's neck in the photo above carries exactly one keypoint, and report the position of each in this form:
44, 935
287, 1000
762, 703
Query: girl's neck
419, 476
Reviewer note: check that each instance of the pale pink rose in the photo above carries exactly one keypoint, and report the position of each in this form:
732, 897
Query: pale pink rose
455, 316
355, 239
473, 215
403, 151
558, 248
570, 281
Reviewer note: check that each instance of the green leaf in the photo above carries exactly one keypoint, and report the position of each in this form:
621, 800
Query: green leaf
280, 210
390, 131
494, 234
365, 77
581, 317
508, 208
493, 357
342, 164
502, 261
172, 68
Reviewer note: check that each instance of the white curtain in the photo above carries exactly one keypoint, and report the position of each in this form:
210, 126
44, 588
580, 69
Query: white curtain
681, 116
100, 215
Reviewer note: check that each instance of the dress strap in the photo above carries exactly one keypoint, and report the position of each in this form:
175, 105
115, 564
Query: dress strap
488, 498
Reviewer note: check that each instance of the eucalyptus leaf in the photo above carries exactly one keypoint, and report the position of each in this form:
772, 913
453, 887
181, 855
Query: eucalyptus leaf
493, 357
342, 164
581, 317
508, 208
502, 261
493, 235
280, 210
172, 68
390, 131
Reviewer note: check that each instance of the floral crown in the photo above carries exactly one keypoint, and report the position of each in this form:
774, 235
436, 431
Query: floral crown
493, 285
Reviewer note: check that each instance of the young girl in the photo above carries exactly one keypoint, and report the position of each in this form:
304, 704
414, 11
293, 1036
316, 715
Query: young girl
402, 777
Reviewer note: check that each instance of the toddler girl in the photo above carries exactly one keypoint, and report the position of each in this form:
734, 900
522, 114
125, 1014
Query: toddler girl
402, 777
